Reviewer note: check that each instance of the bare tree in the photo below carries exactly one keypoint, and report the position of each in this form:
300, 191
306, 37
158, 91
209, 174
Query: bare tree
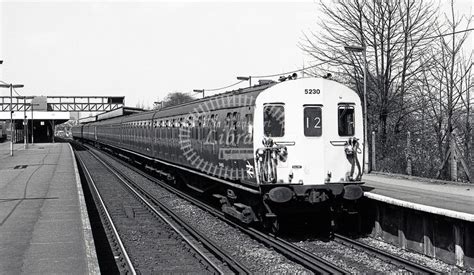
394, 33
448, 84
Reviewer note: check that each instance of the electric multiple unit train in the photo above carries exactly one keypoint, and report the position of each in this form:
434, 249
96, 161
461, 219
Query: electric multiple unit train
273, 150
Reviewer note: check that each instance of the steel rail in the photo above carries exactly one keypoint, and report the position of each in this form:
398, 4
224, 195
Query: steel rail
392, 259
123, 251
284, 245
235, 266
291, 251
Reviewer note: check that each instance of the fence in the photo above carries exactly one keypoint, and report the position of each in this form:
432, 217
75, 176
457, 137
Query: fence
418, 155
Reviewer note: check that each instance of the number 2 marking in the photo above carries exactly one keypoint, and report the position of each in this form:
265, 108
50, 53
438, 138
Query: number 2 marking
317, 125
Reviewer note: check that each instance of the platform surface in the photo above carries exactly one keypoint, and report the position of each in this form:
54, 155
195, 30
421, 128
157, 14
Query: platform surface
44, 227
449, 196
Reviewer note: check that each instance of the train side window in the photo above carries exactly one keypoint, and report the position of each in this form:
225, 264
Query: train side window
227, 120
312, 121
274, 120
235, 120
249, 124
199, 131
215, 125
212, 129
345, 114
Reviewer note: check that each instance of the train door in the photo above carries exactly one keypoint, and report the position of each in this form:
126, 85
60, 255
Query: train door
311, 128
275, 128
154, 137
141, 127
166, 140
344, 114
209, 137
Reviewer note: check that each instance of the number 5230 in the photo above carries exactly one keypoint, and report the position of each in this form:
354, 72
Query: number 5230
312, 91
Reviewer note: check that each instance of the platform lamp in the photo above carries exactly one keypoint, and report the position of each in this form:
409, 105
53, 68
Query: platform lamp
11, 86
363, 50
245, 78
25, 125
199, 91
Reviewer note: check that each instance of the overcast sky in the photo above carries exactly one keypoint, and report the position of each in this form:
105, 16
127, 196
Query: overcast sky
143, 50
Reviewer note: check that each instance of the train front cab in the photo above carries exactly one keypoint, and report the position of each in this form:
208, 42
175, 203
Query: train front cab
312, 126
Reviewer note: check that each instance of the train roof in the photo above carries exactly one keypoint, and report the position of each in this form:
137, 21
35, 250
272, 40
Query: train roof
208, 103
249, 95
122, 111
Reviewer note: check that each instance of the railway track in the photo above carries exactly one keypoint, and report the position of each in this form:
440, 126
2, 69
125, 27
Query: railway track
290, 250
387, 257
121, 256
193, 239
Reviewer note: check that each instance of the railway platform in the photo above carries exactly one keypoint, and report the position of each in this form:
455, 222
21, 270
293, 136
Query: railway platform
44, 225
431, 217
437, 197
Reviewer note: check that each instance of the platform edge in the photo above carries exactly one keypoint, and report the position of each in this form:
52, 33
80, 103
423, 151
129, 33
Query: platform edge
92, 262
420, 207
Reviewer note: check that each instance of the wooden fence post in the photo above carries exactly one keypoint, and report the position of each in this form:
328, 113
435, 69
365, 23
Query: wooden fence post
409, 168
374, 167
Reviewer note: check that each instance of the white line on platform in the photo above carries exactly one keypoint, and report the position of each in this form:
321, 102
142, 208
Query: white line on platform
421, 207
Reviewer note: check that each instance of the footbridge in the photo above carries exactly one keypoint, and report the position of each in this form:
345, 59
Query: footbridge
34, 117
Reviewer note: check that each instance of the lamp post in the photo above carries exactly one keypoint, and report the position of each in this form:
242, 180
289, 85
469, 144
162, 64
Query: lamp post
25, 125
158, 102
33, 122
363, 50
199, 91
11, 86
32, 125
245, 78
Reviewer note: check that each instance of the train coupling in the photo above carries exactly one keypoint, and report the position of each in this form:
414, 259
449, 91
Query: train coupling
240, 211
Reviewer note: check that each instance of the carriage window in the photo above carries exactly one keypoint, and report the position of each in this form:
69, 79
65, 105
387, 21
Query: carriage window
249, 123
312, 121
345, 114
274, 120
227, 120
235, 120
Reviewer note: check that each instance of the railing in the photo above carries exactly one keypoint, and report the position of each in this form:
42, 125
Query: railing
62, 103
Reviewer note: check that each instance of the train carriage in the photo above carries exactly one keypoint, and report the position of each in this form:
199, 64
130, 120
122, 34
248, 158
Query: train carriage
273, 149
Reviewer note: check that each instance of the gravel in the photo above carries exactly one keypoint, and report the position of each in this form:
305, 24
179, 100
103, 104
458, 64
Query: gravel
261, 259
432, 263
352, 260
255, 256
152, 245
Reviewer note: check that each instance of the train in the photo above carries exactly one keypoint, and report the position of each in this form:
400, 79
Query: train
265, 153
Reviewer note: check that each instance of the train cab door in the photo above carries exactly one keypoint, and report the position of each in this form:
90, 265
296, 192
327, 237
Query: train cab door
344, 114
301, 160
311, 144
274, 125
